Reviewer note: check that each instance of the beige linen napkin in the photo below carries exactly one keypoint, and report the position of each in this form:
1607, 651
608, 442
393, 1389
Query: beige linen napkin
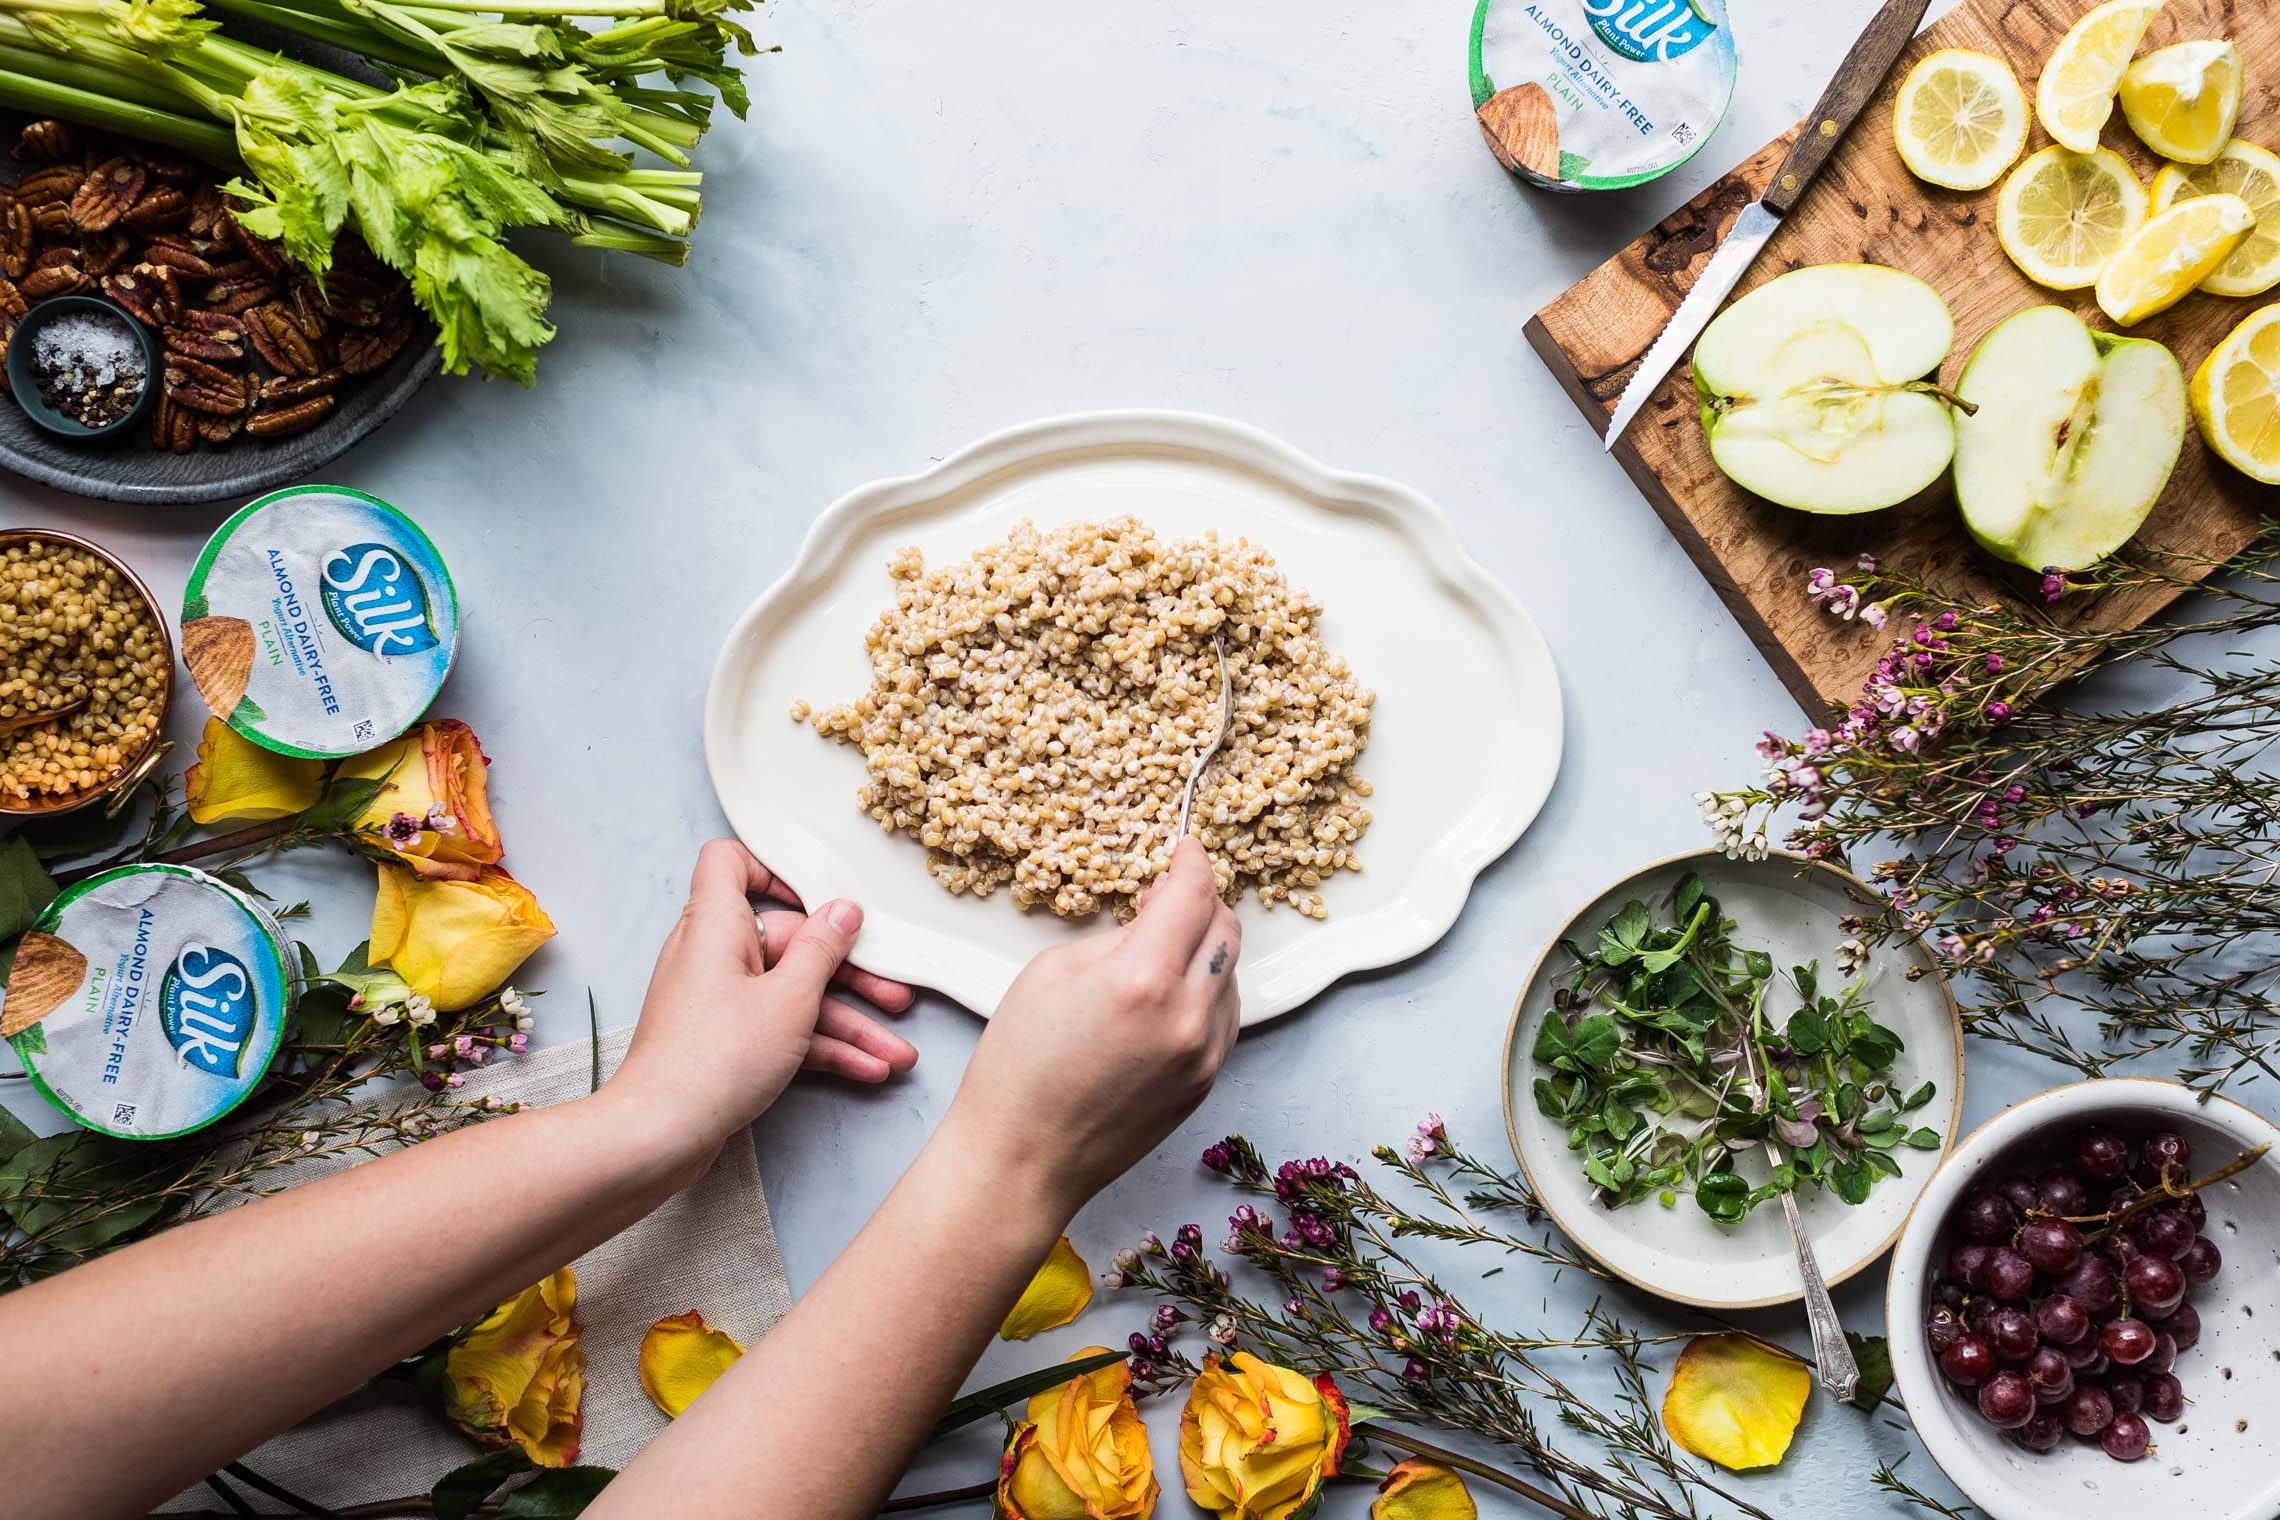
710, 1249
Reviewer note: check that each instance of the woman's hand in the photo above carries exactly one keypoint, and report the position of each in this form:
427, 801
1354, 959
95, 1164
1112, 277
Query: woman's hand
1101, 1047
738, 1004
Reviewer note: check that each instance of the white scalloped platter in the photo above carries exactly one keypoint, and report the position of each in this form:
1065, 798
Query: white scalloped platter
1464, 741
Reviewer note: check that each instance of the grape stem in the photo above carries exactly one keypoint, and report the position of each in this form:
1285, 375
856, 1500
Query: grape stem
2167, 1192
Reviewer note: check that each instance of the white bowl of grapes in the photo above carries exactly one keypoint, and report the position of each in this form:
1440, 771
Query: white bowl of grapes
2084, 1308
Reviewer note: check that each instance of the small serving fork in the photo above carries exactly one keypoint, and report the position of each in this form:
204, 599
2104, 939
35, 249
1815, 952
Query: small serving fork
1226, 721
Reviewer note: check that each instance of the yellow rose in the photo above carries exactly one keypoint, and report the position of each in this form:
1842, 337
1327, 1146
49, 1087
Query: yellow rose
1420, 1490
1082, 1454
236, 778
516, 1376
1256, 1441
432, 810
455, 942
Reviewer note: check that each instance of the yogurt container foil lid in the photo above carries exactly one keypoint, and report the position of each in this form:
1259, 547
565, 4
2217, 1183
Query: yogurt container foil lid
147, 1001
319, 622
1599, 94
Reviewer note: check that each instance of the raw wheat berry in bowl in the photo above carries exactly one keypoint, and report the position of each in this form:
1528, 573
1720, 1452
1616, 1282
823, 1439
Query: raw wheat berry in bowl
2082, 1308
1036, 710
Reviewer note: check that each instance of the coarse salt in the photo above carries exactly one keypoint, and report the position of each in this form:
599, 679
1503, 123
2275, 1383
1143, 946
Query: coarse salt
82, 341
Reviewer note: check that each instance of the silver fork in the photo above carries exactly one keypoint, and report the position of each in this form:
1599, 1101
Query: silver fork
1226, 721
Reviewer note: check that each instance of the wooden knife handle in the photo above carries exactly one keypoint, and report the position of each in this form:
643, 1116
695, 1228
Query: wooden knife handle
1841, 103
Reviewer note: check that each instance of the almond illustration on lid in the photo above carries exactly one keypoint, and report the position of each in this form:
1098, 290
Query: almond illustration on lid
219, 652
47, 970
1523, 130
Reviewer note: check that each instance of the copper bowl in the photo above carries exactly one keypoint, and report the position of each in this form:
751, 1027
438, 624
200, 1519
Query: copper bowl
114, 792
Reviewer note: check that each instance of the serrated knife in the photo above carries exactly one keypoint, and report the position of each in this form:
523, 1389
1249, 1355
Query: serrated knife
1857, 79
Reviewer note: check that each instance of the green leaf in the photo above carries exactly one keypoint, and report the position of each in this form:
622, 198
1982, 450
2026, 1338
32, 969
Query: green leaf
1689, 897
1918, 1098
462, 1491
1551, 1039
76, 1176
1594, 1041
344, 801
1923, 1139
25, 886
556, 1494
982, 1402
324, 1016
15, 1134
88, 831
1874, 1354
1850, 1180
1723, 1196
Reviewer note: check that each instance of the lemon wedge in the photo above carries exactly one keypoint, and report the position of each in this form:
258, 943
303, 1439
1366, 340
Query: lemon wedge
2161, 262
2236, 397
2076, 92
1960, 119
2062, 215
2253, 174
2182, 101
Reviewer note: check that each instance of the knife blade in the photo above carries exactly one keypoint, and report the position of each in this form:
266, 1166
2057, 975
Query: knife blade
1875, 51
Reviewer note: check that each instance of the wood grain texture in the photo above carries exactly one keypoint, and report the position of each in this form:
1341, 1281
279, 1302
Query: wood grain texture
1867, 207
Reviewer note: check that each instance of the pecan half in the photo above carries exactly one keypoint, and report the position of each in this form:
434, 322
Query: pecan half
363, 351
356, 298
173, 429
308, 308
269, 256
151, 292
18, 237
102, 252
278, 390
207, 212
218, 429
56, 280
203, 387
280, 341
52, 220
279, 422
210, 335
13, 306
46, 142
186, 261
240, 293
170, 167
56, 182
107, 194
159, 206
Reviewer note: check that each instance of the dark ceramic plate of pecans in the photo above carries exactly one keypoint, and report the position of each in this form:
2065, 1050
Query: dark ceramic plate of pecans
266, 376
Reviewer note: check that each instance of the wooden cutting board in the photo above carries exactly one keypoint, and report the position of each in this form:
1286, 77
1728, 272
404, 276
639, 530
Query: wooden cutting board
1867, 207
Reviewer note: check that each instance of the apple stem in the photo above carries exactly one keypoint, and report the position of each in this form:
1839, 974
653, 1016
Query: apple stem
1934, 388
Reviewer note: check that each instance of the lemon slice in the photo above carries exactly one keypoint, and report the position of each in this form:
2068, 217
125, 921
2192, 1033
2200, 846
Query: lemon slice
2182, 101
2163, 260
2236, 397
2076, 92
2245, 170
2062, 215
1960, 119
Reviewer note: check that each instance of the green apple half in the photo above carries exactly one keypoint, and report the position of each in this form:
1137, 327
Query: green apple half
1814, 393
2075, 434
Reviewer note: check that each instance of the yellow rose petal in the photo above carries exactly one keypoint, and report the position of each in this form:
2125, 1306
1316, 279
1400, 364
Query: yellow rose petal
235, 778
1057, 1294
1735, 1401
1420, 1490
681, 1357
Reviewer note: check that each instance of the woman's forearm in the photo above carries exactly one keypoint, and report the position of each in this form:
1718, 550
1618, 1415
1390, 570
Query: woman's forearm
918, 1293
190, 1348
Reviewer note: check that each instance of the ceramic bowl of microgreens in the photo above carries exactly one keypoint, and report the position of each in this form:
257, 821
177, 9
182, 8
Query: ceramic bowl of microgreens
1629, 1090
2218, 1457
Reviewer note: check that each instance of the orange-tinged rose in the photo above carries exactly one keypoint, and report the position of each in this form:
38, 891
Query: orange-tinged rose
1257, 1440
1420, 1490
1058, 1293
681, 1357
516, 1377
1735, 1400
432, 810
1082, 1454
455, 942
236, 778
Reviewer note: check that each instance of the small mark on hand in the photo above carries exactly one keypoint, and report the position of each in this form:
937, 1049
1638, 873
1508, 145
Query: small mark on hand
1219, 960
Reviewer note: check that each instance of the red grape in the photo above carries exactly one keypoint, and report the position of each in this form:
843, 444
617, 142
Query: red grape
2165, 1232
2050, 1376
1968, 1361
2164, 1153
2127, 1438
1986, 1218
1964, 1263
2087, 1360
2042, 1433
2127, 1341
2155, 1282
2060, 1320
2006, 1400
2200, 1259
2164, 1354
2164, 1398
1949, 1292
2063, 1192
2127, 1390
2020, 1191
2007, 1275
2100, 1153
1941, 1328
2196, 1213
2183, 1327
2012, 1333
2089, 1411
2053, 1245
2092, 1284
